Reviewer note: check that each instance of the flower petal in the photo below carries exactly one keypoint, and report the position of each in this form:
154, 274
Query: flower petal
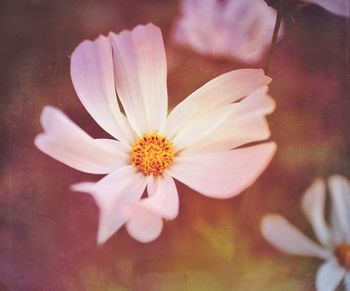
237, 124
214, 95
252, 34
93, 79
340, 193
329, 276
163, 199
144, 225
339, 7
66, 142
140, 76
313, 204
285, 237
223, 175
222, 35
347, 281
113, 194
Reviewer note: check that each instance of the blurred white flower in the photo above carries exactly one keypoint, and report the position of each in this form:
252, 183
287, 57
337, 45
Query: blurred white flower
194, 144
237, 29
339, 7
334, 240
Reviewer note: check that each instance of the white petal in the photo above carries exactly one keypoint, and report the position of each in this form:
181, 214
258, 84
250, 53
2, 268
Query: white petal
93, 79
313, 204
144, 225
347, 281
66, 142
329, 276
285, 237
340, 193
140, 76
251, 36
213, 96
163, 199
237, 124
113, 194
115, 146
222, 35
339, 7
223, 175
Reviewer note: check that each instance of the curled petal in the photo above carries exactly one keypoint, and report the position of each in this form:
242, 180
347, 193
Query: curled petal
163, 197
113, 194
66, 142
144, 225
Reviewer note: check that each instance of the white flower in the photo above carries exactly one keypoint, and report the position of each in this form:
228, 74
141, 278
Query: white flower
238, 29
192, 144
339, 7
334, 240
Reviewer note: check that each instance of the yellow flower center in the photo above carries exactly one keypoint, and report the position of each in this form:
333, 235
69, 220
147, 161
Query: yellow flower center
152, 154
342, 253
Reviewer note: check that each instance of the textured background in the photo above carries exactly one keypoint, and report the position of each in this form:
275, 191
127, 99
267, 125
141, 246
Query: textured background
47, 233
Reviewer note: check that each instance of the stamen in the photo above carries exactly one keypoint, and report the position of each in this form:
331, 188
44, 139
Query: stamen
342, 253
152, 154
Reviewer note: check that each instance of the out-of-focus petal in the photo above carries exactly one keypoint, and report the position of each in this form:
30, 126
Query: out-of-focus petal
285, 237
237, 124
163, 199
223, 175
213, 96
66, 142
329, 276
237, 29
340, 193
140, 76
339, 7
113, 194
144, 225
347, 281
313, 204
93, 79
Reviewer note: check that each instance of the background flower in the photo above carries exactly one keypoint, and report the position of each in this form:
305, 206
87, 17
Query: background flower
237, 29
334, 240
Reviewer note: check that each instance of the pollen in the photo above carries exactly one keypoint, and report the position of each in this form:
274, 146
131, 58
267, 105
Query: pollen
342, 253
152, 154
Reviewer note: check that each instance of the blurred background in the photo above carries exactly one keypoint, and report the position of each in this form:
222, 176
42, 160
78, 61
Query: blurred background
48, 233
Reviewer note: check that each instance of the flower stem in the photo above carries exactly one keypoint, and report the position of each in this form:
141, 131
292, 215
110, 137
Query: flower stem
274, 39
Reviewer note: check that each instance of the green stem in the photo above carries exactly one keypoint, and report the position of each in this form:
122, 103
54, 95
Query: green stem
274, 39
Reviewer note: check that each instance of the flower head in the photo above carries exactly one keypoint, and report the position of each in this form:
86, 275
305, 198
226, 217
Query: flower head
195, 144
238, 29
334, 238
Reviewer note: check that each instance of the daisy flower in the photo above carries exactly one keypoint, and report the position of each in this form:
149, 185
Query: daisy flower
238, 29
334, 238
195, 144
